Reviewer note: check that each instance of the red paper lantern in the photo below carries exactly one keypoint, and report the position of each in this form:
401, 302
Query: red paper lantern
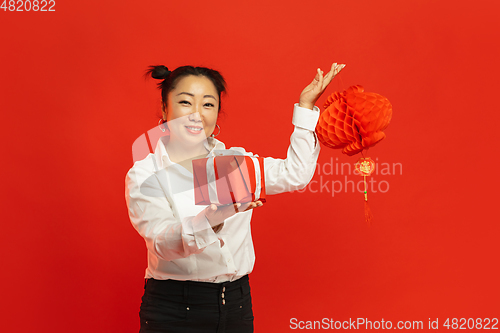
353, 120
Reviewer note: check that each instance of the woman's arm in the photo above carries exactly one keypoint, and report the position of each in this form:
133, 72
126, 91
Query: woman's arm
152, 216
297, 170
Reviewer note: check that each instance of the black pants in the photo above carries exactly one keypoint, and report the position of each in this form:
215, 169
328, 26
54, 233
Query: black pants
190, 306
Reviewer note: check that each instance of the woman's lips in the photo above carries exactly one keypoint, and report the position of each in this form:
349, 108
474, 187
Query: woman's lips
194, 129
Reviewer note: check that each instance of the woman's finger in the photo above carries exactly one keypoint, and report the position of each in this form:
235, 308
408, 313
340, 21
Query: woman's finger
320, 81
251, 206
329, 76
331, 73
336, 68
210, 211
315, 79
236, 209
245, 206
254, 204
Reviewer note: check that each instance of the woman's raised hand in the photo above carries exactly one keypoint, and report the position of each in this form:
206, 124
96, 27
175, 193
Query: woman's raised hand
313, 91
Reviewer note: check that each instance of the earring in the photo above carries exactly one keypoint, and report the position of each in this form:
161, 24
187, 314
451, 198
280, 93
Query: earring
212, 135
160, 123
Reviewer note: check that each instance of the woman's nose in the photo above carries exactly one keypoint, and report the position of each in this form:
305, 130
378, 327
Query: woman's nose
195, 116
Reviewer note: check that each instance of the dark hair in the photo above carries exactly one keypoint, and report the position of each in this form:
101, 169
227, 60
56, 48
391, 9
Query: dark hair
170, 79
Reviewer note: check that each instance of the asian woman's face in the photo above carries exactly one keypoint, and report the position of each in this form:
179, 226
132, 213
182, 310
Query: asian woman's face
192, 110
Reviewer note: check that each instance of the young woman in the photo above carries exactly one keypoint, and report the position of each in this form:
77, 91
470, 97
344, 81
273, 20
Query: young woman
199, 257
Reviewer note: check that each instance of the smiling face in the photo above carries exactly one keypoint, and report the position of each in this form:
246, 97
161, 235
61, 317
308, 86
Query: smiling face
192, 110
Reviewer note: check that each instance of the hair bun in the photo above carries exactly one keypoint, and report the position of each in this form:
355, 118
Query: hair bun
160, 72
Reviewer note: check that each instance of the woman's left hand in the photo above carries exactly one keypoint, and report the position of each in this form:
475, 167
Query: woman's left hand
313, 91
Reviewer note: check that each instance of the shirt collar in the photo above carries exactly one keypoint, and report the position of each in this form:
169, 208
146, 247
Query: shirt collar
163, 160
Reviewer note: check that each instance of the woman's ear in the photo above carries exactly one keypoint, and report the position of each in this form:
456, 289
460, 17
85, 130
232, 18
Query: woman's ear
163, 111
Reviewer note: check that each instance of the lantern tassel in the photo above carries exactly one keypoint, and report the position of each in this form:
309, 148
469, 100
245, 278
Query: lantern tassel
368, 212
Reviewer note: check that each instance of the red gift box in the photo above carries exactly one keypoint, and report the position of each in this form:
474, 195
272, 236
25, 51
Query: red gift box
228, 179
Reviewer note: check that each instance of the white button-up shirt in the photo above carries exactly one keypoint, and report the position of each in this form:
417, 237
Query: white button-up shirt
180, 241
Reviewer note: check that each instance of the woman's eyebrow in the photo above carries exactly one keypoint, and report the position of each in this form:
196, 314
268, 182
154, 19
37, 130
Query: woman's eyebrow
192, 95
185, 93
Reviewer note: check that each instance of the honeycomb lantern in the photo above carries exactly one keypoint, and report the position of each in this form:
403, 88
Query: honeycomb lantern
353, 120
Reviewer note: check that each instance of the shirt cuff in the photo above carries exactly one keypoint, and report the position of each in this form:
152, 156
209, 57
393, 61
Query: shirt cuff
305, 118
201, 230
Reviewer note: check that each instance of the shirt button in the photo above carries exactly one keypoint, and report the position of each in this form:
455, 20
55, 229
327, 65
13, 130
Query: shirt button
222, 295
223, 301
223, 289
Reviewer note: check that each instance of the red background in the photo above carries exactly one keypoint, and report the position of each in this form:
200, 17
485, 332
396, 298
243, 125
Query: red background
73, 100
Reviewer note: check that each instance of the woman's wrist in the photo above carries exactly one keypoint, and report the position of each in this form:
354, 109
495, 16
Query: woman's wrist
306, 105
218, 227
